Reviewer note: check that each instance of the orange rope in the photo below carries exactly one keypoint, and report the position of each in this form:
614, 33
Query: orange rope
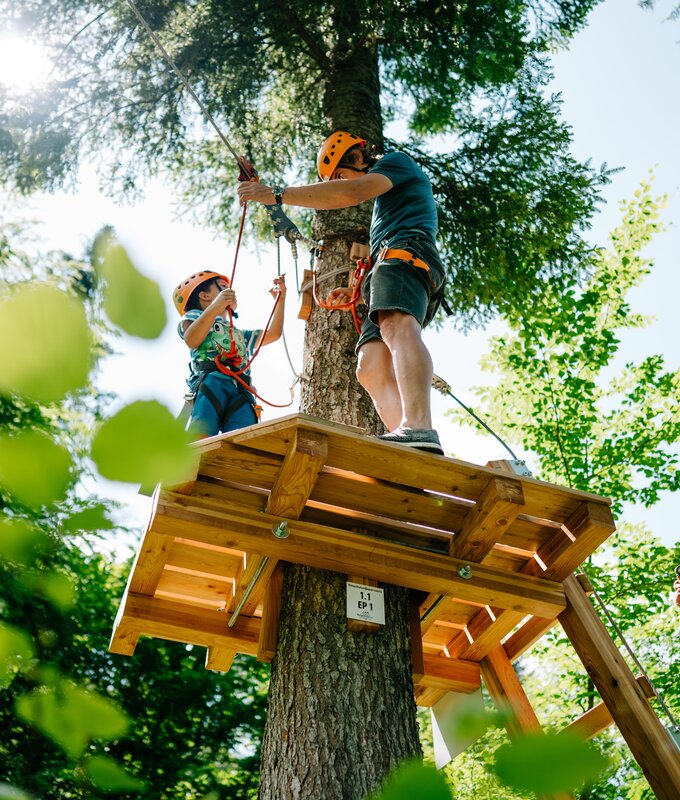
363, 266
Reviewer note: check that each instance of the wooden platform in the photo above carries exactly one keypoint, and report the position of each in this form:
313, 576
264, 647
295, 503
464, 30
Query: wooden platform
487, 551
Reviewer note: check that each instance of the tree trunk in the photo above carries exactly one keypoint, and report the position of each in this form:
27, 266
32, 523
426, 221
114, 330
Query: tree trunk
341, 707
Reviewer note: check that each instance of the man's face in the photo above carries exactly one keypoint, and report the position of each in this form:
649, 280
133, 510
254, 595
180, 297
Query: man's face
346, 173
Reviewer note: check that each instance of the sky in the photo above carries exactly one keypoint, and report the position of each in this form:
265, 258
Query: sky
619, 80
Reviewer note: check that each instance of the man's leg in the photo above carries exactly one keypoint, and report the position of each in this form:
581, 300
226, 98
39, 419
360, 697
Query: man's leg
376, 374
412, 368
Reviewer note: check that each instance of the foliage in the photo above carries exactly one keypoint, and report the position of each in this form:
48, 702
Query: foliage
613, 439
77, 721
277, 76
605, 427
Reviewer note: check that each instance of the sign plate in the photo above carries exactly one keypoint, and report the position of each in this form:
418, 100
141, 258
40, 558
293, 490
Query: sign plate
366, 603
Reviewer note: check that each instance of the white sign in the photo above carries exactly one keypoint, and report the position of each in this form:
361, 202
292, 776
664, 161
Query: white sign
448, 738
366, 603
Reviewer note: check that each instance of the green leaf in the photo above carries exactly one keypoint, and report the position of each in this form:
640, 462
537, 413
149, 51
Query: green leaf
45, 344
89, 519
109, 776
8, 792
20, 541
72, 716
34, 468
548, 764
412, 780
16, 652
143, 443
55, 587
131, 300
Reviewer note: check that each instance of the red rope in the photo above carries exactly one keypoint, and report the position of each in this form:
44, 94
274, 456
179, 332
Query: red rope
351, 305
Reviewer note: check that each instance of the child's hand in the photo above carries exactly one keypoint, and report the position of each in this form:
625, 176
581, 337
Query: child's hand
279, 287
224, 300
339, 296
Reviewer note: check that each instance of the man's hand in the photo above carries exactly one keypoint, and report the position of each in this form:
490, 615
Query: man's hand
339, 296
255, 192
279, 287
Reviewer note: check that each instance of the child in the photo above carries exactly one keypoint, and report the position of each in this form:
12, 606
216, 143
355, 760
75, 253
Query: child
221, 402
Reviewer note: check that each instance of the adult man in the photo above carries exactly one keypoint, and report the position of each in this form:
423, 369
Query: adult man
403, 285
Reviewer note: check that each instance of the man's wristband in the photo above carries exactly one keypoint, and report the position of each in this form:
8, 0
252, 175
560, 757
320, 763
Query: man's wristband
278, 195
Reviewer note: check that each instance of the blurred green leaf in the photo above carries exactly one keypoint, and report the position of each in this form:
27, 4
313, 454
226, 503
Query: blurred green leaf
55, 587
72, 716
16, 652
34, 468
8, 792
20, 541
414, 780
109, 776
131, 300
45, 343
144, 443
548, 764
89, 519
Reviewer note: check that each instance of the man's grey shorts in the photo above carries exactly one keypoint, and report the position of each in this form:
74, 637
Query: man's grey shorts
395, 285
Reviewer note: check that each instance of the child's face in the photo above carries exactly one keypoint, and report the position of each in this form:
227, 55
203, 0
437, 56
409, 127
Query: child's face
218, 285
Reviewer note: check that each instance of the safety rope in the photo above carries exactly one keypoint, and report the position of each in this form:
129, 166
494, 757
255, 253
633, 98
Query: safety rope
351, 305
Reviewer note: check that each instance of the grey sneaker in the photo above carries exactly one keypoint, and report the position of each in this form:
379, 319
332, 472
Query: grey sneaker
417, 438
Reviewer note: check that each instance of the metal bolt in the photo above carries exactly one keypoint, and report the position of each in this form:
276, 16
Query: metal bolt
281, 530
465, 572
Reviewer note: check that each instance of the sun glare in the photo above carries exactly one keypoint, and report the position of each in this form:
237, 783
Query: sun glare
24, 65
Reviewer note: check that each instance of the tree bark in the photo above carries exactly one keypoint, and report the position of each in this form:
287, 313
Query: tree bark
341, 707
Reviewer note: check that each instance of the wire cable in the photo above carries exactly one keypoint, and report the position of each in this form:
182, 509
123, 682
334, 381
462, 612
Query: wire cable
443, 387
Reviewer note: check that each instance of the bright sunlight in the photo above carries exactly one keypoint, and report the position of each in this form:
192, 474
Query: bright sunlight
24, 65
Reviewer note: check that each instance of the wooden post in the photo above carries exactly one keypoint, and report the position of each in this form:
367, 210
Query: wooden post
649, 742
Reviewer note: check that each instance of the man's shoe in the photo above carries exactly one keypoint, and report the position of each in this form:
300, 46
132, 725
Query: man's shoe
416, 438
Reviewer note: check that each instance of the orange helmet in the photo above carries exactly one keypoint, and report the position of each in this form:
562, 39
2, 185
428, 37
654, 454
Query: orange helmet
332, 151
182, 293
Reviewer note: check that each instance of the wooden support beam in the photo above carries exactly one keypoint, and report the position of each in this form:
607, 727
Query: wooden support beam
450, 674
415, 632
507, 693
484, 633
219, 659
271, 610
533, 629
589, 526
598, 718
650, 743
342, 551
166, 619
294, 483
149, 563
123, 639
252, 577
485, 524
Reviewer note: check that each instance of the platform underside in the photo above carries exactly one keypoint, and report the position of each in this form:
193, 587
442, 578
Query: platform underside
486, 551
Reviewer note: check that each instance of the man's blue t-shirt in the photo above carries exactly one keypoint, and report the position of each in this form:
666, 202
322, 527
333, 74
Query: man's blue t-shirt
407, 211
217, 341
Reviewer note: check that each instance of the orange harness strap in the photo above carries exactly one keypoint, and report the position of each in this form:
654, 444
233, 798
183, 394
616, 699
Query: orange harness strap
363, 266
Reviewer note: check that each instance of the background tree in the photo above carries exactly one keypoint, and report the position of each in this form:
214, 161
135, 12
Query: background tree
281, 76
603, 426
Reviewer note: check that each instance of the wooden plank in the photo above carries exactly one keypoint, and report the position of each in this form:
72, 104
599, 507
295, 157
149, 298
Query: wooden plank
256, 570
203, 560
598, 718
450, 674
341, 551
394, 463
123, 639
484, 633
485, 523
507, 693
648, 740
149, 563
271, 610
179, 622
219, 659
211, 592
